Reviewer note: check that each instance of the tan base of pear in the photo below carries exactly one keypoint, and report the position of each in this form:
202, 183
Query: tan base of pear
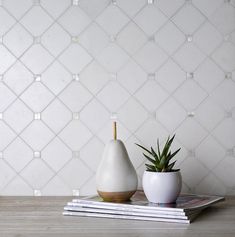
116, 196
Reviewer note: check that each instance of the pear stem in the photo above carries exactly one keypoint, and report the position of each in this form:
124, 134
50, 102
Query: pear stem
115, 130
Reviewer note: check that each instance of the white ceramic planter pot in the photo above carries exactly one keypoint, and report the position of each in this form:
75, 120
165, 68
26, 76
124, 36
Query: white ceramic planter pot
162, 187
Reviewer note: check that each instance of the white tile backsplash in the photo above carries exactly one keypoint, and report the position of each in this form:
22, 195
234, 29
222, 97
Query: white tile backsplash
161, 67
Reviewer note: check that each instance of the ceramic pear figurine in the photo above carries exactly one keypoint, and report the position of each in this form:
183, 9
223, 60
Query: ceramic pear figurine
116, 178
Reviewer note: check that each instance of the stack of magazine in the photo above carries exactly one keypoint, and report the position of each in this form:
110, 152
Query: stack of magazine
184, 210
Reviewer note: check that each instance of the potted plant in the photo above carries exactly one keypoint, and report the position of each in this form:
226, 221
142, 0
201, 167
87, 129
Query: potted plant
161, 182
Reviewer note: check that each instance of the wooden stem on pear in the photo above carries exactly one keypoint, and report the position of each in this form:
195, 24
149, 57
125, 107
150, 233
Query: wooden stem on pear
115, 130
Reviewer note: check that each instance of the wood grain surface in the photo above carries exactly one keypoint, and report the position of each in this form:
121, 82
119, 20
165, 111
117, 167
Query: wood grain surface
42, 216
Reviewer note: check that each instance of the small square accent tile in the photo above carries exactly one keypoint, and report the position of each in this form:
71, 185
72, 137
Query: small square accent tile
74, 39
189, 38
190, 75
191, 153
76, 154
1, 154
228, 114
228, 75
75, 2
37, 40
188, 1
227, 37
152, 115
151, 76
230, 152
37, 77
112, 38
37, 193
191, 114
113, 76
114, 2
76, 77
37, 116
114, 116
76, 116
36, 154
36, 2
150, 1
75, 192
151, 38
1, 116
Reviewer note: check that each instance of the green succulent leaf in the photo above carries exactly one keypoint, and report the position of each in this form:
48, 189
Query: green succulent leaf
158, 149
154, 155
173, 154
150, 167
160, 160
149, 159
170, 166
148, 151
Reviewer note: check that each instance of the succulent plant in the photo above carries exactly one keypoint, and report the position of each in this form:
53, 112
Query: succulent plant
160, 160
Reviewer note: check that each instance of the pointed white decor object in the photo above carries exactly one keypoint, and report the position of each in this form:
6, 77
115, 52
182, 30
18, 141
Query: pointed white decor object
116, 178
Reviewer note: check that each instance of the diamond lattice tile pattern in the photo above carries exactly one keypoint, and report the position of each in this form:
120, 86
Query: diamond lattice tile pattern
68, 67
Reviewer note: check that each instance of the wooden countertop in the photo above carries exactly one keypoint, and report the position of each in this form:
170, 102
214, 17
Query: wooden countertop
42, 216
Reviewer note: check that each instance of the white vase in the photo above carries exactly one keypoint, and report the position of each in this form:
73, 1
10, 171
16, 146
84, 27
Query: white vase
116, 178
162, 187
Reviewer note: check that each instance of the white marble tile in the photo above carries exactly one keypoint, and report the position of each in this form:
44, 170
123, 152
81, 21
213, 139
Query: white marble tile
37, 174
150, 57
111, 63
56, 116
148, 97
170, 38
193, 16
75, 58
37, 59
113, 96
37, 97
55, 39
131, 38
74, 20
131, 76
92, 152
22, 151
71, 135
150, 19
89, 115
94, 77
6, 59
6, 97
75, 96
116, 21
75, 174
7, 19
54, 8
37, 135
18, 116
56, 154
36, 17
190, 95
132, 115
18, 40
56, 77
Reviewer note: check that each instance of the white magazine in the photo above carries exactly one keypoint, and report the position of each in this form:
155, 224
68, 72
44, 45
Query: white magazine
129, 213
185, 204
114, 216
